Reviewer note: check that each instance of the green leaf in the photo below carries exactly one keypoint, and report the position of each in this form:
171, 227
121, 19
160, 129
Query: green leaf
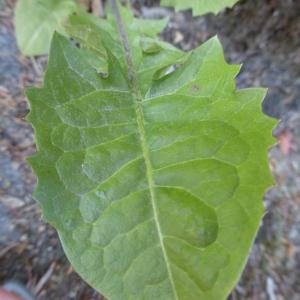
86, 33
36, 20
154, 174
200, 7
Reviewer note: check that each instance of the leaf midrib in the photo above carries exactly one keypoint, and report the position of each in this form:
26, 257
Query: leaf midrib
134, 87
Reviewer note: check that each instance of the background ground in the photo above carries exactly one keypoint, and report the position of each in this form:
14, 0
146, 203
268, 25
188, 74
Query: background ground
265, 36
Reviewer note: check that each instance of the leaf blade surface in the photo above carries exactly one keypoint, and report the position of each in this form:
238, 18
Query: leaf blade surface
155, 185
37, 20
200, 7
